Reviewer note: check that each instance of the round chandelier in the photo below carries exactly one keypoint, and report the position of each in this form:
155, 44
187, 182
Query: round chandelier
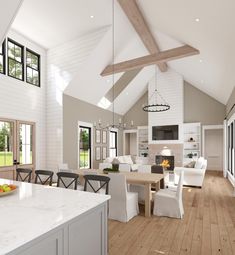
156, 102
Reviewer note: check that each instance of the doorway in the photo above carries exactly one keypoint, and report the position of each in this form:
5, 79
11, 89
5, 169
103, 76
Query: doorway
17, 146
213, 148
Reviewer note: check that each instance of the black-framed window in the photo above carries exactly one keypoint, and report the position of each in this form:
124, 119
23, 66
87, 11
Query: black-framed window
113, 144
32, 68
84, 147
3, 58
15, 53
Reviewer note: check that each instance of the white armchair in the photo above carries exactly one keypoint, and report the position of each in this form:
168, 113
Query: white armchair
192, 176
123, 205
169, 203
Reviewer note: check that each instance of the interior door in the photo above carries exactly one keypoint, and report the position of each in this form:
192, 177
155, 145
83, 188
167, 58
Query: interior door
214, 149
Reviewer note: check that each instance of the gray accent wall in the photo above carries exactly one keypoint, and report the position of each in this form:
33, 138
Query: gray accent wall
136, 113
200, 107
75, 110
230, 103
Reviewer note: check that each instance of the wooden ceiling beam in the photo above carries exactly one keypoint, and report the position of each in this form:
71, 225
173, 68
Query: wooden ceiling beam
139, 23
164, 56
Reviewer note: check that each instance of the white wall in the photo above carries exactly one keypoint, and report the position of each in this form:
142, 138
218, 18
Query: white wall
63, 63
170, 86
22, 101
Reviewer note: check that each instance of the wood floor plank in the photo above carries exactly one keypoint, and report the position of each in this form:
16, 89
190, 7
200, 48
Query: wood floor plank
208, 226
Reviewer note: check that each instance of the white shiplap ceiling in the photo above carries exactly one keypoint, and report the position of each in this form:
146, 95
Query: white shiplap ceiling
50, 23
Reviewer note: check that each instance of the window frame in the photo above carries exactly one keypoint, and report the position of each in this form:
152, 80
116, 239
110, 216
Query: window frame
4, 57
116, 142
89, 145
38, 70
22, 59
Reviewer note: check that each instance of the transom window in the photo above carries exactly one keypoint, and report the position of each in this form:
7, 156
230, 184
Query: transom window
2, 58
15, 60
32, 68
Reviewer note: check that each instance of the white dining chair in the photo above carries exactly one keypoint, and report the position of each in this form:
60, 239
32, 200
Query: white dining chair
170, 203
124, 167
123, 205
102, 166
63, 166
140, 189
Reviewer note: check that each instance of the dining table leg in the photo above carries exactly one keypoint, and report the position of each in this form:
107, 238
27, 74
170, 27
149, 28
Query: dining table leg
147, 200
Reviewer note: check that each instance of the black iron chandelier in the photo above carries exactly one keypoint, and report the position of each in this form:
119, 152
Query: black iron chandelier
156, 102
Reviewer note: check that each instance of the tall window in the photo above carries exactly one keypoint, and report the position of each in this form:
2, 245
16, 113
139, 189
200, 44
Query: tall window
2, 58
84, 147
112, 144
15, 60
32, 68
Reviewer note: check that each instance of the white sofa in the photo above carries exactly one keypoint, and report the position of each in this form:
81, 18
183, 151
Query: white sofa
134, 162
192, 176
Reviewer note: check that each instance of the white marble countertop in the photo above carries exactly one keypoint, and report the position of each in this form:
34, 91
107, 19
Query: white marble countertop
33, 210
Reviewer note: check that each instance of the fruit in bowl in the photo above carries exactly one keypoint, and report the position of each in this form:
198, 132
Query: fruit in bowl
7, 188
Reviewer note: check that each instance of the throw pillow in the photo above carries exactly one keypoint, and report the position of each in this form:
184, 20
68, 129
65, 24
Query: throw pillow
115, 161
199, 163
191, 164
128, 159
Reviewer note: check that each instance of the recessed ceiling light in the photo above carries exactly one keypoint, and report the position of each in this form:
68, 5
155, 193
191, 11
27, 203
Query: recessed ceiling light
200, 60
91, 16
127, 93
108, 81
197, 19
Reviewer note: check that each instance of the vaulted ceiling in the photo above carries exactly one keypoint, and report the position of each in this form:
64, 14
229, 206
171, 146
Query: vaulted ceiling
204, 24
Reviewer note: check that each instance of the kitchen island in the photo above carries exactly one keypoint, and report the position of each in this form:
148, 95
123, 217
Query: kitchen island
46, 220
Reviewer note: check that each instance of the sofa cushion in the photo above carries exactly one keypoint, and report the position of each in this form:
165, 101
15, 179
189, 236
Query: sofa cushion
191, 164
121, 159
108, 160
199, 163
128, 159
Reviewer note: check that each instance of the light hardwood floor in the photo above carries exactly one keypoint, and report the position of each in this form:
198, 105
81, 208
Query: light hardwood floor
208, 226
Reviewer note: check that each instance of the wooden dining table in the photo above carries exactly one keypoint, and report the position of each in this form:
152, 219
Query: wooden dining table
145, 179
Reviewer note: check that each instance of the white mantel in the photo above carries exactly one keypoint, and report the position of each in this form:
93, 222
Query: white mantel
170, 85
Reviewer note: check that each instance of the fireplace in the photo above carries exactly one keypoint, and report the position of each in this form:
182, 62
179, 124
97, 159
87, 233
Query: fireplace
171, 159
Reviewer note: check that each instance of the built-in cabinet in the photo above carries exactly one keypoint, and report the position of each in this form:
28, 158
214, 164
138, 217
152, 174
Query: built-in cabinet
192, 141
142, 141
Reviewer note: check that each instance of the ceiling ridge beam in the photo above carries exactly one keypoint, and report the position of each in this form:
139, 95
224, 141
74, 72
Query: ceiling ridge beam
168, 55
136, 18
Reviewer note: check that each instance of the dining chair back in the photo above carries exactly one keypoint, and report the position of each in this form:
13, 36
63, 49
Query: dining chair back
96, 183
23, 174
144, 169
123, 205
123, 167
72, 177
43, 177
63, 166
179, 190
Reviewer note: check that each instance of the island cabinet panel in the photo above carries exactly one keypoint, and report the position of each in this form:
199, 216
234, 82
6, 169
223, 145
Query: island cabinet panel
52, 244
88, 234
